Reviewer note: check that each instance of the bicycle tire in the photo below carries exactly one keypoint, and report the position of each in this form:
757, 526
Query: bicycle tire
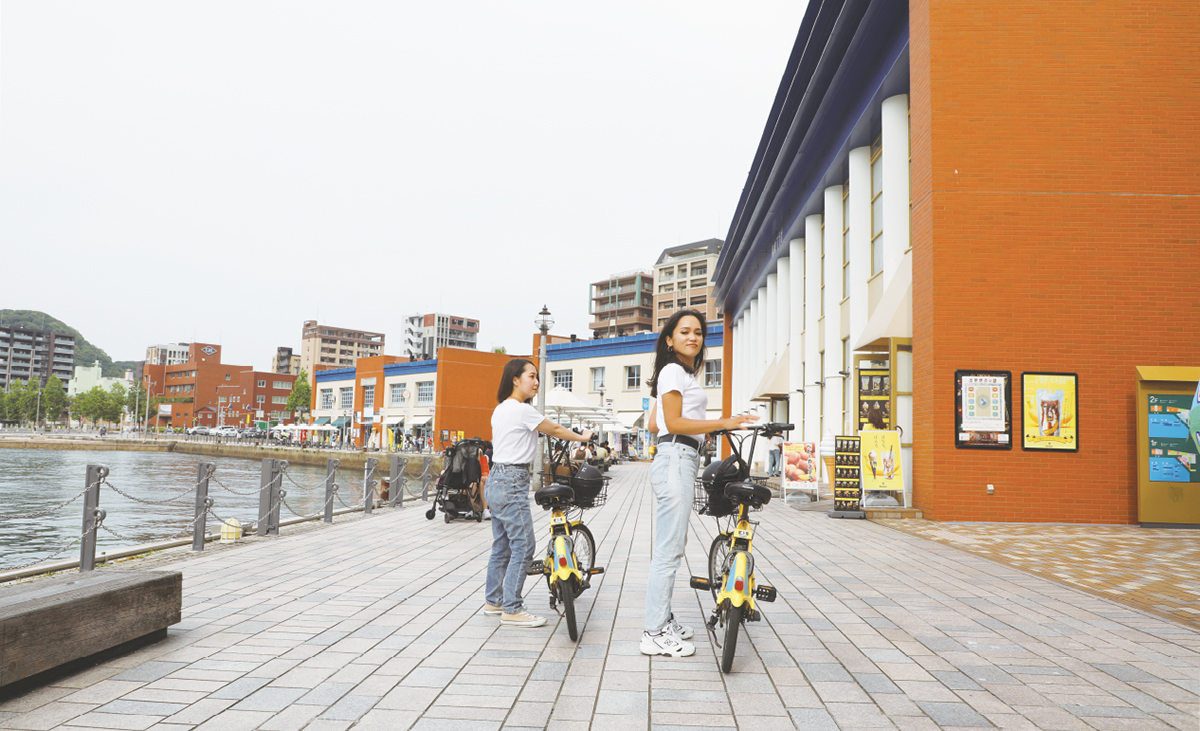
585, 559
716, 559
566, 594
733, 622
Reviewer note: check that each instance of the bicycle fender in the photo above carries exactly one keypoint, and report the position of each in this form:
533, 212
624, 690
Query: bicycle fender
741, 565
561, 571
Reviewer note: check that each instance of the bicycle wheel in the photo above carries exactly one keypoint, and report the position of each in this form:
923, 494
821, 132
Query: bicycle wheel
566, 593
716, 559
733, 622
585, 549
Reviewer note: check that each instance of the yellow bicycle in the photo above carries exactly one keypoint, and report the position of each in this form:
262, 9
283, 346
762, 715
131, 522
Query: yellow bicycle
570, 560
727, 492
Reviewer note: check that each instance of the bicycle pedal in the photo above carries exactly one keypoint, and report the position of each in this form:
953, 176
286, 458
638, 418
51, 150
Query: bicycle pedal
764, 593
536, 568
698, 582
596, 570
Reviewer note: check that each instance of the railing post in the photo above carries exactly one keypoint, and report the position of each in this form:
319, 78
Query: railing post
91, 512
269, 495
396, 473
369, 485
331, 466
200, 521
426, 478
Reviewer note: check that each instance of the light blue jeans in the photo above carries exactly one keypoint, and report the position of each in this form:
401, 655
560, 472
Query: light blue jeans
673, 477
507, 492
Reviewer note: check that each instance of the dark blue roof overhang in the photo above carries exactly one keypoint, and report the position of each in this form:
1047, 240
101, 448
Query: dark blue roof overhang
849, 55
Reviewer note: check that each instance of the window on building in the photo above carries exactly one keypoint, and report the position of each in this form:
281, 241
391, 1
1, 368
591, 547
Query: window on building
326, 398
633, 377
424, 392
368, 397
398, 393
228, 376
347, 397
563, 379
877, 207
712, 374
283, 385
846, 239
597, 379
279, 399
262, 383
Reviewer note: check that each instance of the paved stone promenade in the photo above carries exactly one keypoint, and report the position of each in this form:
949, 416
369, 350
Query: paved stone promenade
375, 624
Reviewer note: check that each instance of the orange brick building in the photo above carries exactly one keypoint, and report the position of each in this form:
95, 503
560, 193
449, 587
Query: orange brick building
973, 185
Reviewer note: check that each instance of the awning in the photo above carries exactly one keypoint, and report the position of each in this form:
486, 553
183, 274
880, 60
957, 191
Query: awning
892, 317
631, 418
774, 382
323, 420
339, 422
393, 420
420, 420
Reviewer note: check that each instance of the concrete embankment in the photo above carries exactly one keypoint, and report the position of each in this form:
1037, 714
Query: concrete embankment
316, 458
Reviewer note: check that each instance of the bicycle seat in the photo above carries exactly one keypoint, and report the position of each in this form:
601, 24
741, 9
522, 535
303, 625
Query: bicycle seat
551, 494
748, 492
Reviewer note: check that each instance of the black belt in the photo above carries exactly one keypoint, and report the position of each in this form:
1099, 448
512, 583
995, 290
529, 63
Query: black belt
680, 439
521, 465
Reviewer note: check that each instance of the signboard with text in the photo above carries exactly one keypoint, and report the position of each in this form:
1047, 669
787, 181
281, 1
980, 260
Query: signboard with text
983, 409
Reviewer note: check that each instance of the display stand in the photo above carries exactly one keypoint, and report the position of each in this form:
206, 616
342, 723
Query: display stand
847, 490
1168, 446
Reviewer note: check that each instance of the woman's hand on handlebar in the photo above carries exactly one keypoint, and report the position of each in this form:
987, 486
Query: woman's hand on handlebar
587, 434
739, 421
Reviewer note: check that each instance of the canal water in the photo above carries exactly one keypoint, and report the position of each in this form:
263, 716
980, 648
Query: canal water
35, 480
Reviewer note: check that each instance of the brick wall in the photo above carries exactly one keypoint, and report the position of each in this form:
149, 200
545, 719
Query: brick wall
1056, 210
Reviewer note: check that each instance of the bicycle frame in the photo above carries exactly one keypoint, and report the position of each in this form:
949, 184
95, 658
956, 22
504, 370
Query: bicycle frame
738, 587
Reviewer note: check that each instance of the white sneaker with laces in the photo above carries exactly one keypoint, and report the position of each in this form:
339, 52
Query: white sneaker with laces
487, 514
521, 619
666, 643
682, 631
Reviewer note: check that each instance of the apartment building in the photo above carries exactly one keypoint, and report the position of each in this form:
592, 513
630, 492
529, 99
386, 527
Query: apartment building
623, 304
168, 353
425, 334
26, 354
254, 396
336, 347
88, 377
683, 280
194, 388
286, 361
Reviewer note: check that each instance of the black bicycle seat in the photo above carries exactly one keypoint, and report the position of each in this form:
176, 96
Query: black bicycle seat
552, 494
748, 492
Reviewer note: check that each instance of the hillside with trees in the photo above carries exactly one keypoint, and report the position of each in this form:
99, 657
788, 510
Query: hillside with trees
85, 352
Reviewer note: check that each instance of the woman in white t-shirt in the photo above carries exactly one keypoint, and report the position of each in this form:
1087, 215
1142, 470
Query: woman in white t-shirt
515, 426
680, 408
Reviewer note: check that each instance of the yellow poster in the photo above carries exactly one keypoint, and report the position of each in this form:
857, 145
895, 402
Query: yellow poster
879, 453
1049, 419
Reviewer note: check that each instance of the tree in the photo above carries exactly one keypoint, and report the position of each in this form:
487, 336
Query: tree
500, 349
114, 403
301, 395
24, 398
54, 399
91, 405
136, 403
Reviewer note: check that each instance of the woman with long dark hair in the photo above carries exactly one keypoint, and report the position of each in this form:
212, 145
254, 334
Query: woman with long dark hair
515, 426
680, 410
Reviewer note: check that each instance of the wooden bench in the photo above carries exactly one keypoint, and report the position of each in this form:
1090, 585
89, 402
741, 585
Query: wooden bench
49, 623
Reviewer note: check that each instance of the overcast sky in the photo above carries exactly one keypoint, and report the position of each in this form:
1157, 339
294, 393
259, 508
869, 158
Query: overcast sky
222, 171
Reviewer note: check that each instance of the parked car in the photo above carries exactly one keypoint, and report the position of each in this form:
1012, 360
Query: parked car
225, 431
201, 431
251, 433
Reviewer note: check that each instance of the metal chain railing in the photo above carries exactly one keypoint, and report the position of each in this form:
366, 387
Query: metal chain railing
253, 493
65, 547
124, 494
317, 514
60, 506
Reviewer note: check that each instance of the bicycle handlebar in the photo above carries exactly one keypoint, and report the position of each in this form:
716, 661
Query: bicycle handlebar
772, 427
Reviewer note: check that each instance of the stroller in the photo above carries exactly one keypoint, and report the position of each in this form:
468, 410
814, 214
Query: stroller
460, 486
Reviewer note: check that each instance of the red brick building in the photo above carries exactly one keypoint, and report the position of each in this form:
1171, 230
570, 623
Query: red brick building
195, 390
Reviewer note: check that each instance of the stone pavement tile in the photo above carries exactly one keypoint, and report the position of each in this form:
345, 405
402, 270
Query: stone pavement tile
201, 710
904, 671
447, 724
321, 724
699, 708
325, 694
102, 692
625, 680
692, 722
129, 722
765, 723
573, 708
576, 685
150, 671
466, 712
404, 698
926, 691
564, 725
841, 692
536, 691
145, 708
1011, 722
797, 696
222, 676
757, 704
302, 677
953, 714
350, 708
270, 699
165, 696
481, 701
858, 716
916, 723
292, 718
379, 719
48, 715
876, 683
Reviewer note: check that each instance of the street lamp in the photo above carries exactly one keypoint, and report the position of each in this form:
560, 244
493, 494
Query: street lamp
544, 322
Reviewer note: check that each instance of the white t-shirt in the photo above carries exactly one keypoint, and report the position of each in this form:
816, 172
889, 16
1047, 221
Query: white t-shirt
695, 402
514, 432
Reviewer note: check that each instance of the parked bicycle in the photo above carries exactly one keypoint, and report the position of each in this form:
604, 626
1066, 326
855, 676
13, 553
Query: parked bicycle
570, 560
727, 492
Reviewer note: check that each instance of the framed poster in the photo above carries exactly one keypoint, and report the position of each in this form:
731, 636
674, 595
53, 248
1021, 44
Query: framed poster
800, 464
874, 392
1049, 413
1173, 450
880, 459
847, 489
983, 409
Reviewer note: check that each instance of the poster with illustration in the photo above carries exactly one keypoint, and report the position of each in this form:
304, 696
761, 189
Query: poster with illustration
874, 393
879, 453
800, 464
983, 415
1050, 417
1174, 452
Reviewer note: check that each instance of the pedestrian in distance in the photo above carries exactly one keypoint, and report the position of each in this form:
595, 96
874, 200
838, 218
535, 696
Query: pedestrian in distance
679, 412
515, 426
776, 451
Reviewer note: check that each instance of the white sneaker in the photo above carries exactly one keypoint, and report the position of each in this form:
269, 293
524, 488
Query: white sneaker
492, 611
666, 643
521, 619
487, 514
682, 631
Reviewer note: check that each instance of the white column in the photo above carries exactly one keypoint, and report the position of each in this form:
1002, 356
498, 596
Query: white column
760, 326
895, 184
772, 301
740, 361
833, 308
752, 350
783, 296
860, 238
796, 337
812, 311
